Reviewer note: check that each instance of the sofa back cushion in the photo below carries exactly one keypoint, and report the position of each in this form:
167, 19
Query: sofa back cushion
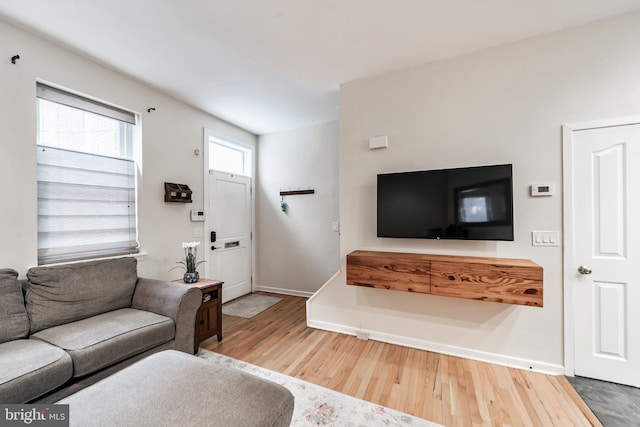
13, 316
66, 293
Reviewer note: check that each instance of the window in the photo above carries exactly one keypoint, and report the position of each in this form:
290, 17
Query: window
86, 178
227, 157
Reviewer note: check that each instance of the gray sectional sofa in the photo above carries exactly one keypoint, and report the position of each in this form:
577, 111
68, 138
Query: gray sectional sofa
68, 326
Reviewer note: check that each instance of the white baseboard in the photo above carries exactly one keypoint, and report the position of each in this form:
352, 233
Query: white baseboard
282, 291
482, 356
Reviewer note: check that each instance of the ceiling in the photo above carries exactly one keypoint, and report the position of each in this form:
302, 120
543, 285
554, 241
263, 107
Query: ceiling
273, 65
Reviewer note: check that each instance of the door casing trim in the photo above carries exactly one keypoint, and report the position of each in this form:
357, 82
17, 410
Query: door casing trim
567, 226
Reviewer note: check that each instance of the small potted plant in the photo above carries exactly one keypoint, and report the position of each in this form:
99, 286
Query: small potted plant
190, 262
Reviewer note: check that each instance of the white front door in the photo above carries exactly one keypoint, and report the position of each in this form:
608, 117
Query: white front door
230, 219
606, 250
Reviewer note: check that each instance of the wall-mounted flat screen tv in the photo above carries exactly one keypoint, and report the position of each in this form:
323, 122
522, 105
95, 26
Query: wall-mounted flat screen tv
472, 203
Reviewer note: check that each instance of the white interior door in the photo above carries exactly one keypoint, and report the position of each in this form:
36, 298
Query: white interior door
230, 219
606, 251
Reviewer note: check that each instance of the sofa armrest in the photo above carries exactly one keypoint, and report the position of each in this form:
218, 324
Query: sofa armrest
179, 302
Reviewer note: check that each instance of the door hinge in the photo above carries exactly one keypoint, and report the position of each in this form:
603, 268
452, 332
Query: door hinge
251, 279
251, 191
251, 235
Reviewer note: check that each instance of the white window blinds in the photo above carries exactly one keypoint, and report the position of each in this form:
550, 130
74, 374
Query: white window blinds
86, 200
69, 99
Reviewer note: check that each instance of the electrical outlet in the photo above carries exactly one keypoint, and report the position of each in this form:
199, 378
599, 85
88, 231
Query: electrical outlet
362, 335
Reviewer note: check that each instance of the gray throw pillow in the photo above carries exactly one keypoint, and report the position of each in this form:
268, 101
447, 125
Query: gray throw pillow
66, 293
13, 315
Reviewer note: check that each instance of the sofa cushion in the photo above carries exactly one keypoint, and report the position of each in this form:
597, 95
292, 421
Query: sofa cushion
107, 338
13, 315
65, 293
31, 368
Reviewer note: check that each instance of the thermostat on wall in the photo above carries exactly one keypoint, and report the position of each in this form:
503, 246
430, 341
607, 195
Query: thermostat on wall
541, 190
197, 215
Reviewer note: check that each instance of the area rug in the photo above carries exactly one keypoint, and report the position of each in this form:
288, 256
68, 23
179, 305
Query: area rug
320, 406
249, 306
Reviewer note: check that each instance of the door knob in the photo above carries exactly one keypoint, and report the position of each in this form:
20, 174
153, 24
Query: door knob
583, 269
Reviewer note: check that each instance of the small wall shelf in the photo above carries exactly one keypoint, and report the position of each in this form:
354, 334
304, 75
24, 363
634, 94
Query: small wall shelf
505, 280
296, 192
177, 193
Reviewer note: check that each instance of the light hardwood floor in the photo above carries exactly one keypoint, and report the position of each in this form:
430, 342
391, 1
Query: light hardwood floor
445, 389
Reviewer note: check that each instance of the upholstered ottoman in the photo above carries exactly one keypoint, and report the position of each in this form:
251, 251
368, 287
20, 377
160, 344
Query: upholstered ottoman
172, 388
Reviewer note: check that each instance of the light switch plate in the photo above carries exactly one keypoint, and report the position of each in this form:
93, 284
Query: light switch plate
545, 238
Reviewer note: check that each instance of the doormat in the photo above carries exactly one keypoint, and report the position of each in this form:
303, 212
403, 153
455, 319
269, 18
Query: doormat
615, 405
248, 307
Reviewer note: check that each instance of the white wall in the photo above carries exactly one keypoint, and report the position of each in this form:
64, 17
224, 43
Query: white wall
297, 250
502, 105
169, 137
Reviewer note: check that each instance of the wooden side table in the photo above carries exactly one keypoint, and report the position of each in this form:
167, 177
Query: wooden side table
209, 315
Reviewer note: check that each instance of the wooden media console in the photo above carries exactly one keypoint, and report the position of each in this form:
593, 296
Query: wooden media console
505, 280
